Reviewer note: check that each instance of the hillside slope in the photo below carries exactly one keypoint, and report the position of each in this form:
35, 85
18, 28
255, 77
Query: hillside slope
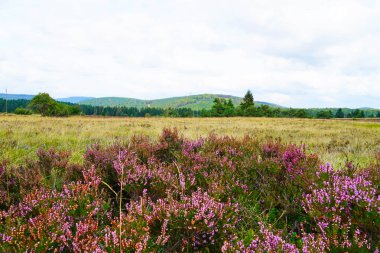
16, 96
195, 102
74, 100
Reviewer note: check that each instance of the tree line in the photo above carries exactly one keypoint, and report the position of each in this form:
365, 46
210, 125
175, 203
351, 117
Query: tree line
225, 108
42, 104
45, 105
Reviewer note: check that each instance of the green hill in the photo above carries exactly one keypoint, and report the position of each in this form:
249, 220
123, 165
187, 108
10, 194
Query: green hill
16, 96
114, 101
195, 102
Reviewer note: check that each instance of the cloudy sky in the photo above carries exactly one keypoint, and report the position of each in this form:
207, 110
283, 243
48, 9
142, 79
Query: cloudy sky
298, 53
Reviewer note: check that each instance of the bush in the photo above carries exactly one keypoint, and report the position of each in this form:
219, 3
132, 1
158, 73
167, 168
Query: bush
23, 111
345, 209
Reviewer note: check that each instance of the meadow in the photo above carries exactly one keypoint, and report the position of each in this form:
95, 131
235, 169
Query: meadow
335, 141
92, 184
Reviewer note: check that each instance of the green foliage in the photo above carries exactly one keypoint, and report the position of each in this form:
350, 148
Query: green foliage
12, 105
357, 114
247, 101
223, 108
251, 111
339, 113
226, 108
325, 114
22, 111
43, 104
47, 106
301, 113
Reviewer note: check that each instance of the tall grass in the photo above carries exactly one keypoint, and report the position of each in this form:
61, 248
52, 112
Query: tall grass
335, 141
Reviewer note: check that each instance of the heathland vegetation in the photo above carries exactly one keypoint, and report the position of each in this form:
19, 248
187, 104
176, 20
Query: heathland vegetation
174, 194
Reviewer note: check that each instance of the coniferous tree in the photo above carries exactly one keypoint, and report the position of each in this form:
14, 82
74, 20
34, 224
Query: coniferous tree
247, 101
12, 104
229, 108
300, 113
324, 114
361, 114
358, 114
217, 109
339, 113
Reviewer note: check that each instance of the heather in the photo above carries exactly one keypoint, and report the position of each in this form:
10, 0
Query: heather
175, 194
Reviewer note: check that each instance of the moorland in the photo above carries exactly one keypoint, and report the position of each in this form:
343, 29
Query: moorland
155, 184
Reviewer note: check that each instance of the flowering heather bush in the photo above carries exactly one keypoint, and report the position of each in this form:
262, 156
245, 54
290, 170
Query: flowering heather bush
168, 144
278, 176
265, 241
211, 194
189, 223
103, 160
3, 190
51, 159
345, 208
48, 220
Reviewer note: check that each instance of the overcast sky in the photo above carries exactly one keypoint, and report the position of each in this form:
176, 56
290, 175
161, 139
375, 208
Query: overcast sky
299, 53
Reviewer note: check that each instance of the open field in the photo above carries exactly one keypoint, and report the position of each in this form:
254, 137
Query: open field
335, 141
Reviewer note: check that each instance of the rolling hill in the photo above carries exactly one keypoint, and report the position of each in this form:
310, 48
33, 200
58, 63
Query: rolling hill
195, 102
16, 96
73, 100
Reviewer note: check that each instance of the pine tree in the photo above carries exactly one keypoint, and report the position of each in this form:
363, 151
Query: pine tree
339, 114
217, 107
247, 101
229, 109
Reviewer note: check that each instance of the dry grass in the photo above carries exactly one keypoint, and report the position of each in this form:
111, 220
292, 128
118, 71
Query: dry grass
335, 141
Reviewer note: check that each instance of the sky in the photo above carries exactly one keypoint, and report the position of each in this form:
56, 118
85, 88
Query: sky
297, 53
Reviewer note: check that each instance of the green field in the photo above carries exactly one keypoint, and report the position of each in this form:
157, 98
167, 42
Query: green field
335, 141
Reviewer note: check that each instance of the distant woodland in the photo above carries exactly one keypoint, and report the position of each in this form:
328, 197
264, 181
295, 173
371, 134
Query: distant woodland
221, 107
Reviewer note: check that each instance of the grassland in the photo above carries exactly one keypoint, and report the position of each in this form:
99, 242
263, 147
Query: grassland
335, 141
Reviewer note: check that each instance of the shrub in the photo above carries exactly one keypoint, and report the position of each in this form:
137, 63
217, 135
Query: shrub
345, 208
189, 223
66, 220
23, 111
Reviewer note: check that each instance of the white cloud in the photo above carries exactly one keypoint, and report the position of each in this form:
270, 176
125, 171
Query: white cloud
290, 52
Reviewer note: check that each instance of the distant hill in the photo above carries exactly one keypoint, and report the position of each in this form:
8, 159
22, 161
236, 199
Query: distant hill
16, 96
74, 100
114, 101
195, 102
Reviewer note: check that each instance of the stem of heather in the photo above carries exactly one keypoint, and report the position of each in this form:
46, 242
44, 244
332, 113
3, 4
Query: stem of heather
8, 194
120, 200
